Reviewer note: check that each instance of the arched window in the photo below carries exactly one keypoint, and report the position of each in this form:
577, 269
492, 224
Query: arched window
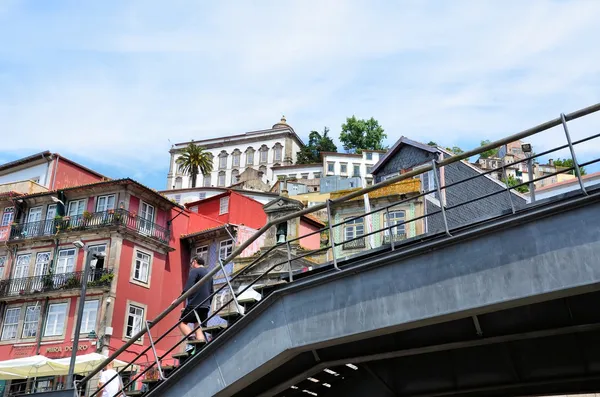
262, 170
264, 154
178, 182
223, 160
250, 156
277, 152
221, 180
234, 176
235, 158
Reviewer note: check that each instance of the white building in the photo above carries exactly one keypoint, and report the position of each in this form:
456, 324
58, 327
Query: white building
232, 154
184, 196
298, 171
351, 165
566, 186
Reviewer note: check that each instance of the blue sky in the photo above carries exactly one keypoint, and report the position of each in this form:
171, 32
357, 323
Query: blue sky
110, 83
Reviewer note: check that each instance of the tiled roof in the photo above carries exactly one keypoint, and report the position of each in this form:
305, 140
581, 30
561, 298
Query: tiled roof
123, 181
314, 219
201, 232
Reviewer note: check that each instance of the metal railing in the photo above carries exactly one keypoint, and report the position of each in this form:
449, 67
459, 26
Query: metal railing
97, 278
433, 220
89, 221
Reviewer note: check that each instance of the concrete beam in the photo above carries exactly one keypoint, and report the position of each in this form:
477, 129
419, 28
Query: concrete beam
551, 257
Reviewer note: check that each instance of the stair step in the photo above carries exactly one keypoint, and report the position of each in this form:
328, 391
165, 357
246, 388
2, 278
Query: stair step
134, 393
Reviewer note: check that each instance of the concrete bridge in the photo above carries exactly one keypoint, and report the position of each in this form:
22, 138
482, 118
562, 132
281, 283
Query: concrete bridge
508, 306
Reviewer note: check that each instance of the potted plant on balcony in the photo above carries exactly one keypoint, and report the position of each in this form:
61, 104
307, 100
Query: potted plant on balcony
87, 216
72, 282
48, 282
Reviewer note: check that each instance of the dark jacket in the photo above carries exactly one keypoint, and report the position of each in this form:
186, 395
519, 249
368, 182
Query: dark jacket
199, 297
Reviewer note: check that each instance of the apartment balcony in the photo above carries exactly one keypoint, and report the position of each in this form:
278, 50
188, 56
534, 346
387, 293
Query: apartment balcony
354, 244
90, 221
396, 237
97, 278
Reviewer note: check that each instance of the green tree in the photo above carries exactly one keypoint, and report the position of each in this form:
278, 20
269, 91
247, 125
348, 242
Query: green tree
194, 160
455, 150
432, 143
512, 182
568, 163
317, 143
488, 153
358, 135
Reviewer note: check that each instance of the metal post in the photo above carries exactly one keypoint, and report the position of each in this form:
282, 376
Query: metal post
331, 239
230, 289
289, 252
199, 324
572, 149
512, 205
388, 229
86, 270
160, 373
439, 192
531, 177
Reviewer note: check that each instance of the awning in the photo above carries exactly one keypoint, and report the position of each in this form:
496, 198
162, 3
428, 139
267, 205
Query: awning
9, 376
33, 366
87, 362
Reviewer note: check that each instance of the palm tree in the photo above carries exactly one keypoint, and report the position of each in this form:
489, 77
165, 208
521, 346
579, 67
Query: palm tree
194, 160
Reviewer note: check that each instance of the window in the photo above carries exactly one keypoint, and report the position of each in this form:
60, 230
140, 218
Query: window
203, 252
206, 181
11, 323
105, 203
36, 179
221, 179
304, 175
344, 168
395, 217
390, 176
369, 155
22, 266
278, 149
76, 207
56, 319
90, 313
356, 169
141, 267
234, 176
30, 325
225, 248
224, 205
223, 160
369, 181
135, 320
236, 158
177, 198
264, 154
178, 182
8, 216
369, 169
262, 170
201, 196
249, 156
354, 228
317, 175
2, 266
66, 261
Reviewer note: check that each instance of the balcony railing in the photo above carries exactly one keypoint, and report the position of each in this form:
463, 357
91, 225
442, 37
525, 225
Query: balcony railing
88, 221
354, 244
396, 237
97, 278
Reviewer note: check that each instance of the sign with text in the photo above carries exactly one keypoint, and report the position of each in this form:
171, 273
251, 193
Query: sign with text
60, 349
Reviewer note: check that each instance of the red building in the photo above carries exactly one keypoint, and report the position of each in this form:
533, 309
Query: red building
138, 231
231, 208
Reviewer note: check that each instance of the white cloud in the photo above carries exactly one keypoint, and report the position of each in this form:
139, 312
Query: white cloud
115, 83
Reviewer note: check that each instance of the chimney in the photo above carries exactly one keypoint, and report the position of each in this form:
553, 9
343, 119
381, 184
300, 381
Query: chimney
551, 162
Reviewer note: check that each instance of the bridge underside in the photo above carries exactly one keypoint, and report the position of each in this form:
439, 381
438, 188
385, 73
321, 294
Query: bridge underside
538, 349
502, 308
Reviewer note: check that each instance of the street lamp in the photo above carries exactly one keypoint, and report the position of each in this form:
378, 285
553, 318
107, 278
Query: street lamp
527, 148
86, 269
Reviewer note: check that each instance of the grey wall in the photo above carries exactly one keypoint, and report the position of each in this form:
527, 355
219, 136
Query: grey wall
463, 192
503, 268
406, 157
335, 183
